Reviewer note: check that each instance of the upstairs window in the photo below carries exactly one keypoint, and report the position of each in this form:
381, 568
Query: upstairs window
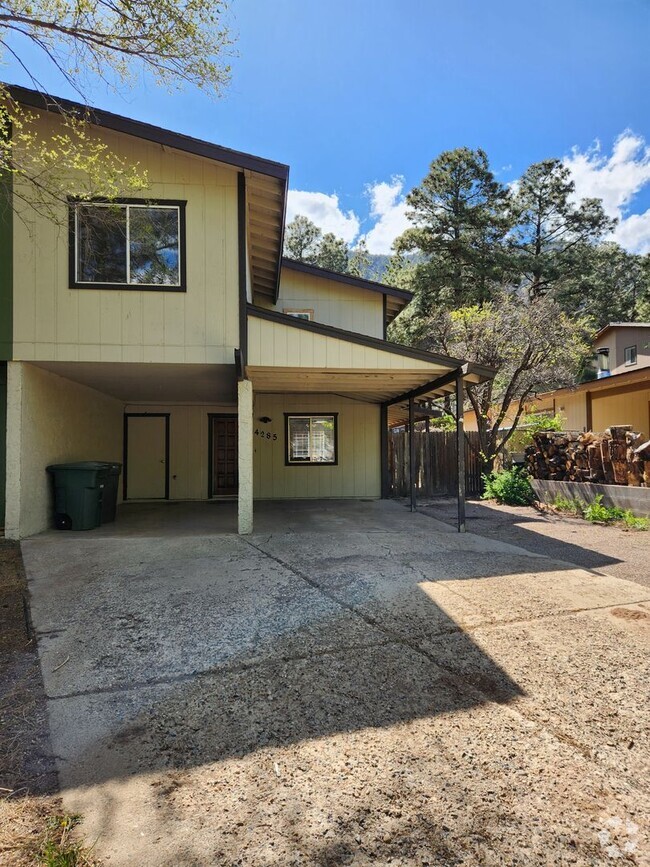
630, 355
602, 361
305, 314
311, 439
127, 243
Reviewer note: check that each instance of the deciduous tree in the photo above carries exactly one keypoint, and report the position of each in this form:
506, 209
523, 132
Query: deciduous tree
533, 346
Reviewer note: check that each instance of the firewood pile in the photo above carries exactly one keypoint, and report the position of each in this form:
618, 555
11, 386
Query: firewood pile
619, 456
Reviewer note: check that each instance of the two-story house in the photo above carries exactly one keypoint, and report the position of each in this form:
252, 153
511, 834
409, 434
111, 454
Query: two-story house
621, 347
167, 331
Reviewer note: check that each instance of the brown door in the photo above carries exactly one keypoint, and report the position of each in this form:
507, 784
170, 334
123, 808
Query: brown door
224, 456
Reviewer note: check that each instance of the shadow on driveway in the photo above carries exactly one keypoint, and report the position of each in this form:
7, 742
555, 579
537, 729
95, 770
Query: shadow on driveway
208, 694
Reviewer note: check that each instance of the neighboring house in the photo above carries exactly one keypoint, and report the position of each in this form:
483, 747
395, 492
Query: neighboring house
167, 332
620, 394
621, 347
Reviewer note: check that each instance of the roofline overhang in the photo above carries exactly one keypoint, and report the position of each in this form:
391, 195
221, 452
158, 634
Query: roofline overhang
149, 132
348, 279
611, 325
615, 380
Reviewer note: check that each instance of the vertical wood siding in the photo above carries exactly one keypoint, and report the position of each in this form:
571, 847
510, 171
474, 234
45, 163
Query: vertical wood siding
54, 322
358, 471
631, 408
188, 446
333, 303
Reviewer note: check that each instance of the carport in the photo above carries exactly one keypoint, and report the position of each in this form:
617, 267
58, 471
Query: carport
72, 411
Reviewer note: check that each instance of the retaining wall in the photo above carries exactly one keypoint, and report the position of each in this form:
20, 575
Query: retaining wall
625, 497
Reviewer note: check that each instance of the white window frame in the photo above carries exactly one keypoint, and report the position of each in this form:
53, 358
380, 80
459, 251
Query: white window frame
306, 314
310, 415
630, 349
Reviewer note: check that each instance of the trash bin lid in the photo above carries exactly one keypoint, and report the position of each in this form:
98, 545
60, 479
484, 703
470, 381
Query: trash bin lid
79, 465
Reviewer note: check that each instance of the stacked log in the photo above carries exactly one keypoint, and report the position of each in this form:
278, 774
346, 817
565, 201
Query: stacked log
619, 456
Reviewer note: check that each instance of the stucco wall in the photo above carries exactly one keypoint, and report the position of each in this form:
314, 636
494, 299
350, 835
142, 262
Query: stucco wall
53, 322
51, 420
333, 303
358, 471
188, 446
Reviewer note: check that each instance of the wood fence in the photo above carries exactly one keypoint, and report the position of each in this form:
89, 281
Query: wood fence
435, 463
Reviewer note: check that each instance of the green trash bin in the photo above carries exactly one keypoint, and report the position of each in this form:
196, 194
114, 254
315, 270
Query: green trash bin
78, 494
109, 501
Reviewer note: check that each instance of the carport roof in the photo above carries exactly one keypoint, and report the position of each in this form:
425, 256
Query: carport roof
287, 355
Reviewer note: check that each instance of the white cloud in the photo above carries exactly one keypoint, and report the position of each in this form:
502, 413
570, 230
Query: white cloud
325, 211
388, 209
387, 215
617, 178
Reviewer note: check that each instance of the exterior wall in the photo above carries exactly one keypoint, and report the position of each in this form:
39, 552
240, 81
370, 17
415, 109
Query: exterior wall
6, 269
571, 406
573, 409
188, 446
358, 471
333, 303
3, 439
51, 420
53, 322
275, 344
631, 407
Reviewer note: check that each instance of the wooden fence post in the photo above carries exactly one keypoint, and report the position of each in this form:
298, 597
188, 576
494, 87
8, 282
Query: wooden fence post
412, 452
460, 451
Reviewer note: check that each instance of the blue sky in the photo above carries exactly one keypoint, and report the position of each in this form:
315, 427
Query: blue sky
358, 97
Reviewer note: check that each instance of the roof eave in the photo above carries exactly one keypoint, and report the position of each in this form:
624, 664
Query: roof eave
349, 279
149, 132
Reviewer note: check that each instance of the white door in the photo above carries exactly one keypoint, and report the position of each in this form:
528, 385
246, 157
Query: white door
146, 456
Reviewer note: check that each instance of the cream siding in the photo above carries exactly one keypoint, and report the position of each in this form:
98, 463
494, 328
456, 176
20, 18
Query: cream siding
632, 408
357, 473
572, 407
278, 345
51, 420
54, 322
333, 303
188, 446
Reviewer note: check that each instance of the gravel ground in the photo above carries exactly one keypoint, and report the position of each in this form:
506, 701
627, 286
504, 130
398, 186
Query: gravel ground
610, 550
29, 805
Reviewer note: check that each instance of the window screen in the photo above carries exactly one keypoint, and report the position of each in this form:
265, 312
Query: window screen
312, 439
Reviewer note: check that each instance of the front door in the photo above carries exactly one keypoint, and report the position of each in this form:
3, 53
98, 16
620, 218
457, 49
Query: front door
146, 455
223, 438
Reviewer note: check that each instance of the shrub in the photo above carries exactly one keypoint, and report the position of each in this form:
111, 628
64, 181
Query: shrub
633, 523
511, 487
599, 514
570, 507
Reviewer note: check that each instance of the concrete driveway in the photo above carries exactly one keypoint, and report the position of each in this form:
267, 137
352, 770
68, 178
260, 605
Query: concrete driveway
352, 684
